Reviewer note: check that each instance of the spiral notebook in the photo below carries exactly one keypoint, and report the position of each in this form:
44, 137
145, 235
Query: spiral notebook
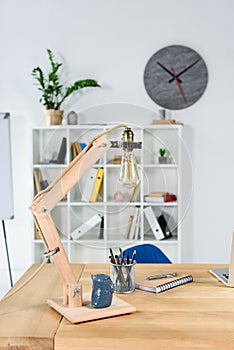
150, 285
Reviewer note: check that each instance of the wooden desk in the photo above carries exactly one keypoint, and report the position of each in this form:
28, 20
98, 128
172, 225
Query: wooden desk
198, 315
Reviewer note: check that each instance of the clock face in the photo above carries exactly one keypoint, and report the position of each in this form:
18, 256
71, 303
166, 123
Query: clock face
175, 77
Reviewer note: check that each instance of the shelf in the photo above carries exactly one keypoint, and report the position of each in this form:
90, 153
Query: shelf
72, 212
106, 244
49, 166
169, 166
164, 204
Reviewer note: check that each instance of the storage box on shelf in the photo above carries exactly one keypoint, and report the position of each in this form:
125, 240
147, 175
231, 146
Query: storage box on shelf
117, 207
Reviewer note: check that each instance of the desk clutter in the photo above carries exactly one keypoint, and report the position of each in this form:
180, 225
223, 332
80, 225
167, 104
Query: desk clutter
122, 271
101, 301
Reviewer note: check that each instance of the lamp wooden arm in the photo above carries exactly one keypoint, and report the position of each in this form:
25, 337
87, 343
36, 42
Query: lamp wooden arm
46, 200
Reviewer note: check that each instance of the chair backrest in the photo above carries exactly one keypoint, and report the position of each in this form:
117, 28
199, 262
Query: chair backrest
147, 254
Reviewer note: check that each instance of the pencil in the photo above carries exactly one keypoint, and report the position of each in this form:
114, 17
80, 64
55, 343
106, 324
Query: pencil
133, 256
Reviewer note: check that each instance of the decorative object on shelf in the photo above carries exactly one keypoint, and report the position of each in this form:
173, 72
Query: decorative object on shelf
72, 118
45, 201
53, 116
118, 196
53, 92
162, 114
162, 158
175, 77
102, 291
62, 153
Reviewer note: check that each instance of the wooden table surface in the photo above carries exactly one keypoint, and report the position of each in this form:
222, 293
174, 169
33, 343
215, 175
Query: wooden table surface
198, 315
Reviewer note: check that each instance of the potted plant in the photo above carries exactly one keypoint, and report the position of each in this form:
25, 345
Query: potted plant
162, 158
53, 92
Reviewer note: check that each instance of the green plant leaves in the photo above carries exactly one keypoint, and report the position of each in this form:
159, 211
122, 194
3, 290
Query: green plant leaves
162, 152
53, 93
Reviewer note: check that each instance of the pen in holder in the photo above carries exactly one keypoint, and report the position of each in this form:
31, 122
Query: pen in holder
123, 276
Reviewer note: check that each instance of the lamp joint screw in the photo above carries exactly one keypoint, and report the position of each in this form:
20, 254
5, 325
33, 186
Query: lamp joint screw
103, 144
76, 291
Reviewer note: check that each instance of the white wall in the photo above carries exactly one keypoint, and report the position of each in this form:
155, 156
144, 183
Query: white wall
112, 41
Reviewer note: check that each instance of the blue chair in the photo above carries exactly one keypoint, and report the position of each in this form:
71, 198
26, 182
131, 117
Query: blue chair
147, 254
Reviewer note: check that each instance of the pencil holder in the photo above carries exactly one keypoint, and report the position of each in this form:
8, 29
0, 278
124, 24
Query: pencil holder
123, 277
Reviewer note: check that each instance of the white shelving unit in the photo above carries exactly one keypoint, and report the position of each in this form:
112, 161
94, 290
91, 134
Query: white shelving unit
72, 212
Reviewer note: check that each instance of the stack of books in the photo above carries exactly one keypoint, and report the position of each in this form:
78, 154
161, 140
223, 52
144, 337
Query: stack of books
76, 148
133, 227
160, 197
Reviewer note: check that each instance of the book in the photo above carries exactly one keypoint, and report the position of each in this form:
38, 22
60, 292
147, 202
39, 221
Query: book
97, 185
153, 199
76, 148
128, 226
85, 227
101, 233
88, 187
37, 180
149, 286
137, 226
160, 198
117, 159
134, 193
165, 121
153, 223
157, 194
134, 222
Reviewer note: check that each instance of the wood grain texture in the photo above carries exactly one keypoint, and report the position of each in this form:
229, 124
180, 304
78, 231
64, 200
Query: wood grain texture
26, 321
88, 313
198, 315
195, 316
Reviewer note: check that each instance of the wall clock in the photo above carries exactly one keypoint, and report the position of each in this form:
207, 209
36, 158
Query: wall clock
175, 77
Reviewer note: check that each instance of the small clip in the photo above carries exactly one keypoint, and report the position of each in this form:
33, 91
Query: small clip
76, 291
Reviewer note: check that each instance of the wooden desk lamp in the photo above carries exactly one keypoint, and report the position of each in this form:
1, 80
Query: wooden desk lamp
72, 304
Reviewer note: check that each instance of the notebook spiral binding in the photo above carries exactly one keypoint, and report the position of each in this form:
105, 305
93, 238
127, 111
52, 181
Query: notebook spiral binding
173, 284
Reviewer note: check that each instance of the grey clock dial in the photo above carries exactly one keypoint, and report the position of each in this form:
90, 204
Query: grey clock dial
175, 77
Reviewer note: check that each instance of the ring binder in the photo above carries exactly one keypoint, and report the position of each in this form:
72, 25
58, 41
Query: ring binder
165, 286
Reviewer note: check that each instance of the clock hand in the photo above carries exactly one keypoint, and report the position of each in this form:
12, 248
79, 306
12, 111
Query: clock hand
168, 71
184, 70
178, 84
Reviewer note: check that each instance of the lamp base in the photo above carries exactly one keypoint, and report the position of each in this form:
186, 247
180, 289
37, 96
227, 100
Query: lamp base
87, 312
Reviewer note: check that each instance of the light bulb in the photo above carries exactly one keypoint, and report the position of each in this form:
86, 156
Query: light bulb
129, 176
128, 172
